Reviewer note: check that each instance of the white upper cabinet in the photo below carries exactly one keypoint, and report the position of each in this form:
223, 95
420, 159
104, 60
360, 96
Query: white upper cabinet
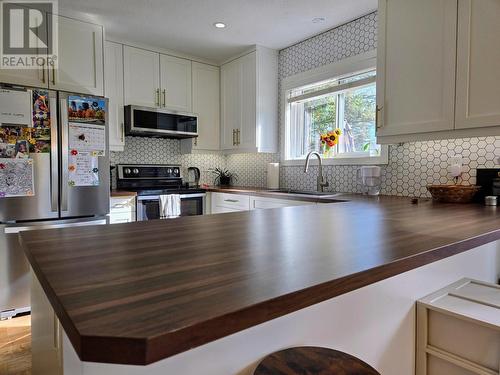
80, 58
437, 74
26, 77
249, 102
416, 66
80, 61
478, 73
175, 79
141, 70
206, 105
113, 90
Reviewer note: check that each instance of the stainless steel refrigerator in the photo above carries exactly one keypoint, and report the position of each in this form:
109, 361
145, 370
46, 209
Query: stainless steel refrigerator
55, 202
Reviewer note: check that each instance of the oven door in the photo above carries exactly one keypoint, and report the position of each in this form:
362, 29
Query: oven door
148, 207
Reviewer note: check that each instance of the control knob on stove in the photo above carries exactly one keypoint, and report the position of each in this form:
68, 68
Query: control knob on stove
176, 171
127, 170
135, 170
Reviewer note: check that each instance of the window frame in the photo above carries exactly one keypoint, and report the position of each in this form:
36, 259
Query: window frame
345, 67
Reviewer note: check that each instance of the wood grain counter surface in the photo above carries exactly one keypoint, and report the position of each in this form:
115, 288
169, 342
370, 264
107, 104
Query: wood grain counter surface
139, 292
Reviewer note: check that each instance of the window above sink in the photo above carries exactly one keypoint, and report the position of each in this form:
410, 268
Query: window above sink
338, 98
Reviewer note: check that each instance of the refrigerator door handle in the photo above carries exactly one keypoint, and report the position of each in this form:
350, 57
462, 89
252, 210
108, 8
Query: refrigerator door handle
63, 108
54, 163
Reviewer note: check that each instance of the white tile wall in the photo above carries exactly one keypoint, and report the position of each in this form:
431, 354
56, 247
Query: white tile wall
411, 166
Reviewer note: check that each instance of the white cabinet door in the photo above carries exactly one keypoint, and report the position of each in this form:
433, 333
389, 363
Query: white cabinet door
246, 137
416, 66
141, 77
113, 90
206, 104
230, 103
175, 78
478, 73
80, 58
26, 77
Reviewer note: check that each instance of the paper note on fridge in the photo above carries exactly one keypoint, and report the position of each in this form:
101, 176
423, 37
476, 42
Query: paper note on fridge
16, 178
15, 107
87, 138
83, 169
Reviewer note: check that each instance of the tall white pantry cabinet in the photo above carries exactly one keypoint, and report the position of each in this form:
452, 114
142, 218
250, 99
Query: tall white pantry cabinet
437, 73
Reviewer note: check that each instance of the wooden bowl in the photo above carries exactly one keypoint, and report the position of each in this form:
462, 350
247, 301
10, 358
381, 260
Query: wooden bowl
453, 193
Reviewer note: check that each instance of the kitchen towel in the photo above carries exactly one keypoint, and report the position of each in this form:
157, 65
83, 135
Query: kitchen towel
170, 206
273, 175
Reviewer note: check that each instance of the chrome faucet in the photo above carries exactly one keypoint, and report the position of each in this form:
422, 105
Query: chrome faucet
322, 182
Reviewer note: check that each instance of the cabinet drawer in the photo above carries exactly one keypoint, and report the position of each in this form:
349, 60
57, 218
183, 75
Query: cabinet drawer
122, 204
482, 345
233, 201
121, 217
260, 203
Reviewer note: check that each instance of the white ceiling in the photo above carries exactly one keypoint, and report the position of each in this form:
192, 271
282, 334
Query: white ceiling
186, 26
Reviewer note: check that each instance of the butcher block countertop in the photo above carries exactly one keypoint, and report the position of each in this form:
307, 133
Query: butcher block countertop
139, 292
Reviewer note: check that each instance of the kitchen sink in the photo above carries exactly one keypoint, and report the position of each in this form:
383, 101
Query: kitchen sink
305, 192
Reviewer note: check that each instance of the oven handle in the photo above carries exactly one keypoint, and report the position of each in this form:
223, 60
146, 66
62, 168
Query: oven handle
157, 197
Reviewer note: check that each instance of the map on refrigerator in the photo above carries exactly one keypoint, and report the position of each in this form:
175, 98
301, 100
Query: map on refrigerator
16, 178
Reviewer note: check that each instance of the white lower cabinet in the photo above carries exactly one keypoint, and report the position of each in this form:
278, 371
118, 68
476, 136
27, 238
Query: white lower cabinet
458, 330
228, 202
260, 203
122, 210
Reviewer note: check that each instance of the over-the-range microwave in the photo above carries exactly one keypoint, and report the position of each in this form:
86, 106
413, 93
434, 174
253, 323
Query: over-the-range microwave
159, 122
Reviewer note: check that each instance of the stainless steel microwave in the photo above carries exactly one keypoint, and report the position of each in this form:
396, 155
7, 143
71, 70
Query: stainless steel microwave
159, 122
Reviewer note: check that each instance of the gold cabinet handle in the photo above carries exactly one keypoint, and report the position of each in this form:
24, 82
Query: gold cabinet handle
122, 135
377, 110
234, 137
158, 103
237, 137
53, 74
164, 97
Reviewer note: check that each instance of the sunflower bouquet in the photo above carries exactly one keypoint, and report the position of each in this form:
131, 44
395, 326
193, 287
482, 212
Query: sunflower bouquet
330, 139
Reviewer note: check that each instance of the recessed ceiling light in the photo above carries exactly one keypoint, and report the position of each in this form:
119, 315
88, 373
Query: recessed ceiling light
220, 25
318, 20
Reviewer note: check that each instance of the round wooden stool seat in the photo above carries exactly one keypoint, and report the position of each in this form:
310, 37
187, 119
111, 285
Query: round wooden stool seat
310, 360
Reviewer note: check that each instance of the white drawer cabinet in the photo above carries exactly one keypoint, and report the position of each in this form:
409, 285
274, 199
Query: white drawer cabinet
122, 209
226, 202
458, 330
259, 203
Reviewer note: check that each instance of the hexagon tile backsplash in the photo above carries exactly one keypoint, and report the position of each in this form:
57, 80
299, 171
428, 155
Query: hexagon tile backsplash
412, 166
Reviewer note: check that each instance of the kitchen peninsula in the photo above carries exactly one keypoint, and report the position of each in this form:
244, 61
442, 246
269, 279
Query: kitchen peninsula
183, 296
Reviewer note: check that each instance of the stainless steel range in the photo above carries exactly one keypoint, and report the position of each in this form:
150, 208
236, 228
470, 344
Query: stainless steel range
150, 181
